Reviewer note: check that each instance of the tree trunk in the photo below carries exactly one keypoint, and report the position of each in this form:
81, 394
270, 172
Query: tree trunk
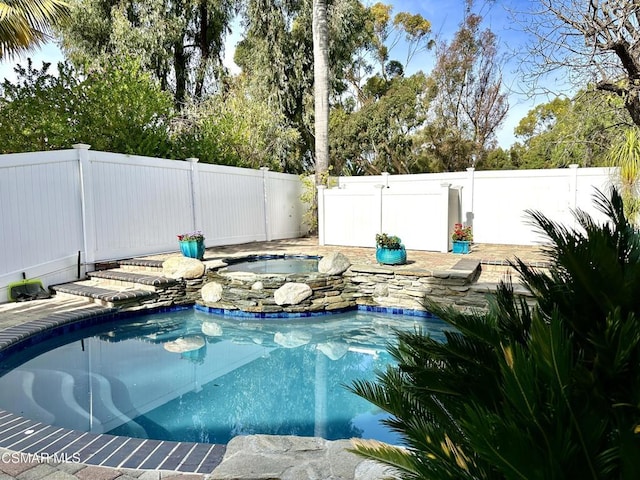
180, 66
321, 87
205, 51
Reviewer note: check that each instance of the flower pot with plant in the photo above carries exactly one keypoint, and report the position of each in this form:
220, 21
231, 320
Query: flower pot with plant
192, 244
390, 250
462, 237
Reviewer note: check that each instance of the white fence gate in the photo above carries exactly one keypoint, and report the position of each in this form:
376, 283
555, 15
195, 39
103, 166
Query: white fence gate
108, 206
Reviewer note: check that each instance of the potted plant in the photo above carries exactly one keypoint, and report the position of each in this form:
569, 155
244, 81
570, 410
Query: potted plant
389, 250
462, 237
192, 244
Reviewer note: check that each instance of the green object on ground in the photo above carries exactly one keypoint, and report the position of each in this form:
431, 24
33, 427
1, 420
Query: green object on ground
25, 290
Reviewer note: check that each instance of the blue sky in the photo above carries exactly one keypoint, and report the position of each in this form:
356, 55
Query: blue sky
445, 16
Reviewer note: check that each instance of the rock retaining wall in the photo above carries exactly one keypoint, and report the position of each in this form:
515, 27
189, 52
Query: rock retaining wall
407, 289
256, 293
399, 287
183, 292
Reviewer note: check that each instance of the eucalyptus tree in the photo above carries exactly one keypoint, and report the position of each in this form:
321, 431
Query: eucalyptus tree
27, 24
116, 107
592, 41
470, 104
576, 130
374, 125
232, 128
374, 64
277, 57
181, 42
383, 135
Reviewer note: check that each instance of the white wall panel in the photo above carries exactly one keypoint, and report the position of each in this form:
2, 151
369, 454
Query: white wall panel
413, 216
285, 210
495, 202
132, 206
232, 202
40, 216
350, 217
588, 181
139, 207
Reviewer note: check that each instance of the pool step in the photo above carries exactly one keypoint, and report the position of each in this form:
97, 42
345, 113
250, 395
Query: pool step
74, 399
122, 277
124, 283
105, 296
138, 264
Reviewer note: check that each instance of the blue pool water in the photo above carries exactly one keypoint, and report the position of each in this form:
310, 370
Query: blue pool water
194, 376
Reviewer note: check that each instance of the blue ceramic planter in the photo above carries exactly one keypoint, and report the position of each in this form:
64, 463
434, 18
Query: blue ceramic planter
387, 256
461, 246
192, 248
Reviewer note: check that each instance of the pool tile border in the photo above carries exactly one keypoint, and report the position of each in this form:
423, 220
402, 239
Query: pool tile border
28, 436
284, 315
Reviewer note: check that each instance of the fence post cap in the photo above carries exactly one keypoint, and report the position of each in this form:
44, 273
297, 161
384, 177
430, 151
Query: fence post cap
193, 159
81, 146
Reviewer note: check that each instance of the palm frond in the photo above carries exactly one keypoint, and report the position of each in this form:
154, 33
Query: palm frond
397, 458
26, 24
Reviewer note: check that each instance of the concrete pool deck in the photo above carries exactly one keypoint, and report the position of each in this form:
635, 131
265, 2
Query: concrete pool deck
256, 456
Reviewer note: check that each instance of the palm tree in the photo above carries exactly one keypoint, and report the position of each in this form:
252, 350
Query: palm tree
625, 154
26, 24
321, 87
542, 392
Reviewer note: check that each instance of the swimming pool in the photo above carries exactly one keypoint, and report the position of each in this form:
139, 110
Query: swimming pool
193, 376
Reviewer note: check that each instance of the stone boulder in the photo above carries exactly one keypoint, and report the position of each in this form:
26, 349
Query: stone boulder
183, 267
292, 293
184, 344
334, 263
262, 457
211, 292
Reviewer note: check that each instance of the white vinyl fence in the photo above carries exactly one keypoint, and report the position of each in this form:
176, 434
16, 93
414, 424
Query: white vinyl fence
422, 209
58, 206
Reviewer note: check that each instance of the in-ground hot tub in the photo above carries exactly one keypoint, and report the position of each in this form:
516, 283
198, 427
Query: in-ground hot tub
278, 286
282, 264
